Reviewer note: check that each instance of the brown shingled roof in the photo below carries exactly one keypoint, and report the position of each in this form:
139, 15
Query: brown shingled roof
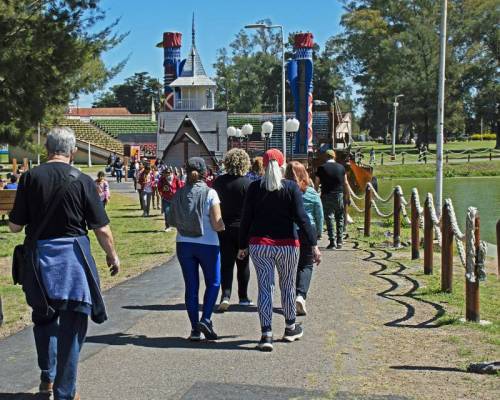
98, 111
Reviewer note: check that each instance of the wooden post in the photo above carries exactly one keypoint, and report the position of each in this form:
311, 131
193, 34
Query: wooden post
14, 165
472, 288
415, 229
468, 156
446, 252
428, 239
368, 210
490, 155
381, 158
402, 158
447, 160
498, 249
397, 218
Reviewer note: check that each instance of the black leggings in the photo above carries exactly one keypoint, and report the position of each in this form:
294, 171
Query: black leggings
229, 250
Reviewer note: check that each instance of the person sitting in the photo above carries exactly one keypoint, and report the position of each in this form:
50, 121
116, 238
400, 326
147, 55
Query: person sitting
12, 185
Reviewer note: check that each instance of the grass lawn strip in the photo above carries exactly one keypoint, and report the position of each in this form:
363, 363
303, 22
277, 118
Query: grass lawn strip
140, 243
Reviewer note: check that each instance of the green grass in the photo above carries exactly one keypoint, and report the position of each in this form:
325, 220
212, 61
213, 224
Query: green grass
480, 168
140, 243
430, 290
452, 146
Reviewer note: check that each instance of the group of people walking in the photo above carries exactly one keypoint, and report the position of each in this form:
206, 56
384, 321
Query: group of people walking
273, 216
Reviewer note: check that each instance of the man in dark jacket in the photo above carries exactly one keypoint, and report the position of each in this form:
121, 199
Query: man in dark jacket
332, 177
64, 274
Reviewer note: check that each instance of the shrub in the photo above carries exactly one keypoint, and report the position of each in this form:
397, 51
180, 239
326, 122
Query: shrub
484, 136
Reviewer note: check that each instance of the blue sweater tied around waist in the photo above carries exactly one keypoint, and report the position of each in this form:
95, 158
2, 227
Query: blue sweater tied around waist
69, 275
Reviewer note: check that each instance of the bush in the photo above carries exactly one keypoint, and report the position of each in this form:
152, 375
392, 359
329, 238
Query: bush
484, 136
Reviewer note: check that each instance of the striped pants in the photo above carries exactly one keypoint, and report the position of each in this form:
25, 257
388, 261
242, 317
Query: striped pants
265, 258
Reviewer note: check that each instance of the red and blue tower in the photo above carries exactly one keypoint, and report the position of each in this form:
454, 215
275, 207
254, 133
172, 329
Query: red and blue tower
172, 64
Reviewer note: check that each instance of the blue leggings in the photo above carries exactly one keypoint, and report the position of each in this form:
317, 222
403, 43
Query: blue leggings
191, 256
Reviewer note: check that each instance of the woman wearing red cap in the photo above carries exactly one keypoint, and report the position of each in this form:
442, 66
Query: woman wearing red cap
272, 206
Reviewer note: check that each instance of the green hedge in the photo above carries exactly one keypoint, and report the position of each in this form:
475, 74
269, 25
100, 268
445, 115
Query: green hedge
484, 136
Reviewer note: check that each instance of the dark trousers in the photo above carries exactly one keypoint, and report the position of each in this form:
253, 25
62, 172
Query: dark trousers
229, 247
119, 175
58, 345
304, 268
191, 256
333, 209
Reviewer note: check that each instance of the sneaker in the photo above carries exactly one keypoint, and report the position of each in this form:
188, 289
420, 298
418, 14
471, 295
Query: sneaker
246, 303
195, 336
291, 335
207, 329
265, 343
224, 305
168, 229
301, 306
46, 388
331, 245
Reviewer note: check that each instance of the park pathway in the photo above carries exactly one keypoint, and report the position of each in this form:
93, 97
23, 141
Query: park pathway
365, 338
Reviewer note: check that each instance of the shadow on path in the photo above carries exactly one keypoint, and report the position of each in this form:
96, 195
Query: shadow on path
385, 274
182, 307
23, 396
124, 339
426, 368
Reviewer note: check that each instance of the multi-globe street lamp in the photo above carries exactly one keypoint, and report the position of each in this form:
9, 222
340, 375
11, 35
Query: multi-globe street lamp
283, 110
242, 134
292, 126
266, 133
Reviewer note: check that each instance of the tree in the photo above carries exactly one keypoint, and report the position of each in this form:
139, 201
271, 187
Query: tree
50, 51
135, 94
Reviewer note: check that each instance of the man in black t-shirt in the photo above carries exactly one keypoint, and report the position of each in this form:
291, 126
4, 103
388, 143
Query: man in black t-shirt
62, 284
332, 177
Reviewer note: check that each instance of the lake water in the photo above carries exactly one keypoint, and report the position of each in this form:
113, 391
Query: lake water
480, 192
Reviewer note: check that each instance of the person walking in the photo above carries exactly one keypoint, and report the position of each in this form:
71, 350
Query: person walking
138, 173
232, 188
332, 178
118, 168
103, 188
146, 182
60, 278
195, 212
168, 185
296, 171
257, 169
156, 194
372, 156
267, 232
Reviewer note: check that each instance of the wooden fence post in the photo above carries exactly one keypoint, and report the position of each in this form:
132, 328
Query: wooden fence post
447, 160
415, 229
397, 218
468, 156
368, 210
446, 251
382, 159
428, 239
402, 158
490, 155
472, 288
14, 165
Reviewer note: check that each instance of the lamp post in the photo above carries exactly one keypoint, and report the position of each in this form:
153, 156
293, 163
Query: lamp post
247, 131
283, 110
395, 104
266, 133
292, 126
231, 133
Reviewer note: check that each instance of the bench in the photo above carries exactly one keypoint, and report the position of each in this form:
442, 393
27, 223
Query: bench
7, 198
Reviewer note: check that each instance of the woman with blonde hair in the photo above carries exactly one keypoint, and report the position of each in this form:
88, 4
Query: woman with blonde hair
273, 206
296, 171
232, 188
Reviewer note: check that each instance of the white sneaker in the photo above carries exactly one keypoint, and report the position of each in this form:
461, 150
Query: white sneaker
168, 229
224, 305
301, 306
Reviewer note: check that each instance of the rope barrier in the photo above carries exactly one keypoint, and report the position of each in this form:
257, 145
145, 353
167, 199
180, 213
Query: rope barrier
473, 259
380, 213
436, 223
355, 206
420, 210
457, 233
378, 197
352, 194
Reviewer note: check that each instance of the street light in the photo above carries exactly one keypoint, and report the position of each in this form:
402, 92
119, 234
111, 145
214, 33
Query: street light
266, 133
247, 131
283, 111
396, 104
292, 126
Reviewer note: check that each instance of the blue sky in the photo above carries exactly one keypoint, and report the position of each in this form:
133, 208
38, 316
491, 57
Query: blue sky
217, 21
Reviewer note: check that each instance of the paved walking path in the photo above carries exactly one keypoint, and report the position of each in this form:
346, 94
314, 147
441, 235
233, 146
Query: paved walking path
360, 342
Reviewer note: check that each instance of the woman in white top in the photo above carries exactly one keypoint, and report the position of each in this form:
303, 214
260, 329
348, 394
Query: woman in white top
195, 212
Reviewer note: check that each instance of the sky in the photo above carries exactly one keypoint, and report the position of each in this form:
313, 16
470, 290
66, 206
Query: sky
217, 22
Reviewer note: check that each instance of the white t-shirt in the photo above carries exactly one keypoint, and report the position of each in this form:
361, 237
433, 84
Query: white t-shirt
210, 236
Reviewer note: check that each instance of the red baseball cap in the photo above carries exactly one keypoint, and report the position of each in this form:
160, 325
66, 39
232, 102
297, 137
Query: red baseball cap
273, 154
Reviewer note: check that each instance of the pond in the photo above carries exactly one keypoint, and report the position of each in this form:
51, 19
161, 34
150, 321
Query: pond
480, 192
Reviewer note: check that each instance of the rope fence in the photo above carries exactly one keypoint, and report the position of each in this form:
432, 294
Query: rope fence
442, 230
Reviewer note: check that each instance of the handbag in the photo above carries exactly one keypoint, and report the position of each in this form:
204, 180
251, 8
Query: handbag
19, 259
